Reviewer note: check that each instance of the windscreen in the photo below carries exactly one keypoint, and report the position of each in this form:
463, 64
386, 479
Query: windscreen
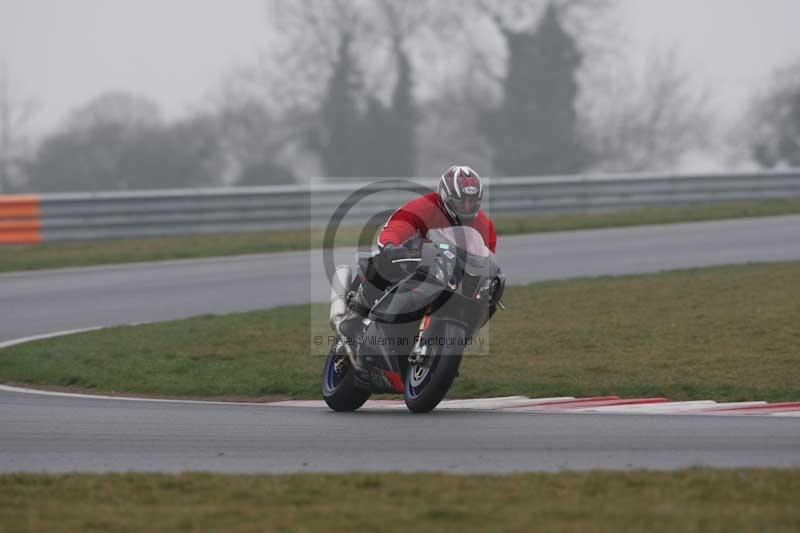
463, 237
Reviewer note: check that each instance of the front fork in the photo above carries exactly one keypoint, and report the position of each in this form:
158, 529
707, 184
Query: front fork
420, 350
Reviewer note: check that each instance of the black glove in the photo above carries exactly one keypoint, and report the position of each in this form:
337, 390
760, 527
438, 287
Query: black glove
392, 252
391, 271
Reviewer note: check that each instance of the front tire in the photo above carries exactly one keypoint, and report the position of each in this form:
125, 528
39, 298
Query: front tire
426, 387
338, 383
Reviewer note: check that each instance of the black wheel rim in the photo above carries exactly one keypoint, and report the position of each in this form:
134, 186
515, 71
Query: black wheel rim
419, 376
335, 373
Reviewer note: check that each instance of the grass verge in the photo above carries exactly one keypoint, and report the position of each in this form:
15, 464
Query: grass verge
724, 333
76, 254
687, 500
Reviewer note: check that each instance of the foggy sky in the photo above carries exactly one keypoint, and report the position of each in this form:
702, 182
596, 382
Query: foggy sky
62, 53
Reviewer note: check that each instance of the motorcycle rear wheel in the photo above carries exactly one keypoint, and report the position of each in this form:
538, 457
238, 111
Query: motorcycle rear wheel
338, 384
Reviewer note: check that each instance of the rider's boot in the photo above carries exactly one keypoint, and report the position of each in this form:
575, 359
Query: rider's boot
355, 321
343, 319
351, 325
349, 309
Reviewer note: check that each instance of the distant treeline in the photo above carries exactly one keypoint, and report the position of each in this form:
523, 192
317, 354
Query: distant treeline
389, 88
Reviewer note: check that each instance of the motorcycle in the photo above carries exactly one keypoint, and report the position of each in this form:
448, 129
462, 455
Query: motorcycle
415, 334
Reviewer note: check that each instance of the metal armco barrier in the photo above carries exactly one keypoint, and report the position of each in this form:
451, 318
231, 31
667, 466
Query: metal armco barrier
81, 216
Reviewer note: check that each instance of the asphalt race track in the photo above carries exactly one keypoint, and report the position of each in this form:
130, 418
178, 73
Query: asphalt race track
54, 433
42, 302
58, 434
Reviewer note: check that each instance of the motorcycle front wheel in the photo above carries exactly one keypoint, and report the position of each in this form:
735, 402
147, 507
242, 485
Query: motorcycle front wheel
427, 384
338, 383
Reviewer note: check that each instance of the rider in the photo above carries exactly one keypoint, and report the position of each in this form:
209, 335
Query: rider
456, 203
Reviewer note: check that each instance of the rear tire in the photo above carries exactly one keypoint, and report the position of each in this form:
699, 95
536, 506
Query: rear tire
338, 387
422, 393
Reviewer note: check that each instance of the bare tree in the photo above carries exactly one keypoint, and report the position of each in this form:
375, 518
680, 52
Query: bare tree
398, 23
306, 37
115, 108
270, 110
14, 117
450, 132
771, 128
632, 121
117, 140
251, 134
593, 21
348, 65
476, 49
648, 121
459, 37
